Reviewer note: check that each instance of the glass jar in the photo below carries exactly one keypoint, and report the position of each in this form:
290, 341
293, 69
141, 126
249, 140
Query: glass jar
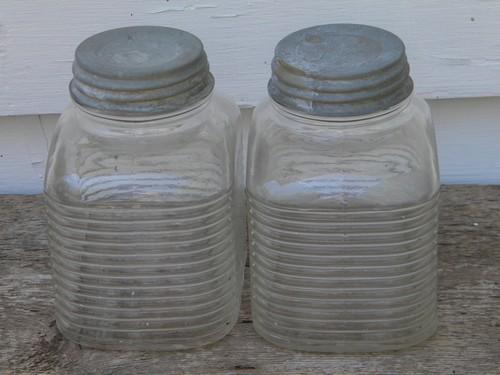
343, 186
145, 242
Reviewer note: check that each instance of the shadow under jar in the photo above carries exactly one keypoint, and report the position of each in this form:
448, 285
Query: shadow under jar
343, 185
144, 239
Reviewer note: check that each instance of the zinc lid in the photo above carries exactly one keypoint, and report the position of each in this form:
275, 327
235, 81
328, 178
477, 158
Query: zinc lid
340, 70
140, 71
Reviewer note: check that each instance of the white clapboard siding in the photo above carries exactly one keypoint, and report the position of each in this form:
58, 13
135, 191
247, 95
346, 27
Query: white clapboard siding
453, 45
468, 132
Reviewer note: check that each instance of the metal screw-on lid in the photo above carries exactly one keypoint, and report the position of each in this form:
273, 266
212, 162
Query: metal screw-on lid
340, 70
140, 71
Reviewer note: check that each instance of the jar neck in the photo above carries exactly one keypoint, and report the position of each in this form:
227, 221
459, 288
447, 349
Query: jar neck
342, 121
116, 119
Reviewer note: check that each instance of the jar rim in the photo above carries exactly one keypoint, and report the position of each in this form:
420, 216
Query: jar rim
300, 115
146, 118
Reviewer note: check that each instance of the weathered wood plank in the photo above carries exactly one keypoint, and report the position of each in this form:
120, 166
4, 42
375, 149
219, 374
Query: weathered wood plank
468, 340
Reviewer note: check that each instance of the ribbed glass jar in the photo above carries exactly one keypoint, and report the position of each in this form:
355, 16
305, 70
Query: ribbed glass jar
144, 237
343, 214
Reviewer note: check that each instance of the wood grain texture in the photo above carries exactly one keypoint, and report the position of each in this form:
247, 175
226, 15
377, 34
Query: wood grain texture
452, 44
467, 342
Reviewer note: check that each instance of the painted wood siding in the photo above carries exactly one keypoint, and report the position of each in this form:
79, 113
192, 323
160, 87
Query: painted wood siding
453, 46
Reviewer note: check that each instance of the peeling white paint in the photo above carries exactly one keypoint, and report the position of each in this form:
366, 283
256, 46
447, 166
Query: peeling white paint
169, 9
232, 15
204, 6
183, 8
482, 62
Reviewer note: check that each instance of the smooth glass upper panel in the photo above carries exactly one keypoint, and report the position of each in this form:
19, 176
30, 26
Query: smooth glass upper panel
385, 161
171, 160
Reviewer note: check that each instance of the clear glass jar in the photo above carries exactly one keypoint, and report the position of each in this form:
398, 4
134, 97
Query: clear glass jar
343, 214
146, 245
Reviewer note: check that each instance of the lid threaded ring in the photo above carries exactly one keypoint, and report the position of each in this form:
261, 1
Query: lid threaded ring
340, 70
140, 71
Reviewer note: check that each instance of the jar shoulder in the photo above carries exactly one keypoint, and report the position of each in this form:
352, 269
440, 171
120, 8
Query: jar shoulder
388, 162
171, 160
214, 119
267, 116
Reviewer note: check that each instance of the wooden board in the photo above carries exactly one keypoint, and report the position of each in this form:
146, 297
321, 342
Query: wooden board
467, 342
452, 44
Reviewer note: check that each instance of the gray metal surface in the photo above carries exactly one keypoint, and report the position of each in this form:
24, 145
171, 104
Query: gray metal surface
140, 71
340, 70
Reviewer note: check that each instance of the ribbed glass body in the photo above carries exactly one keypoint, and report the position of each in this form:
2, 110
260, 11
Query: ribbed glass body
343, 217
145, 238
